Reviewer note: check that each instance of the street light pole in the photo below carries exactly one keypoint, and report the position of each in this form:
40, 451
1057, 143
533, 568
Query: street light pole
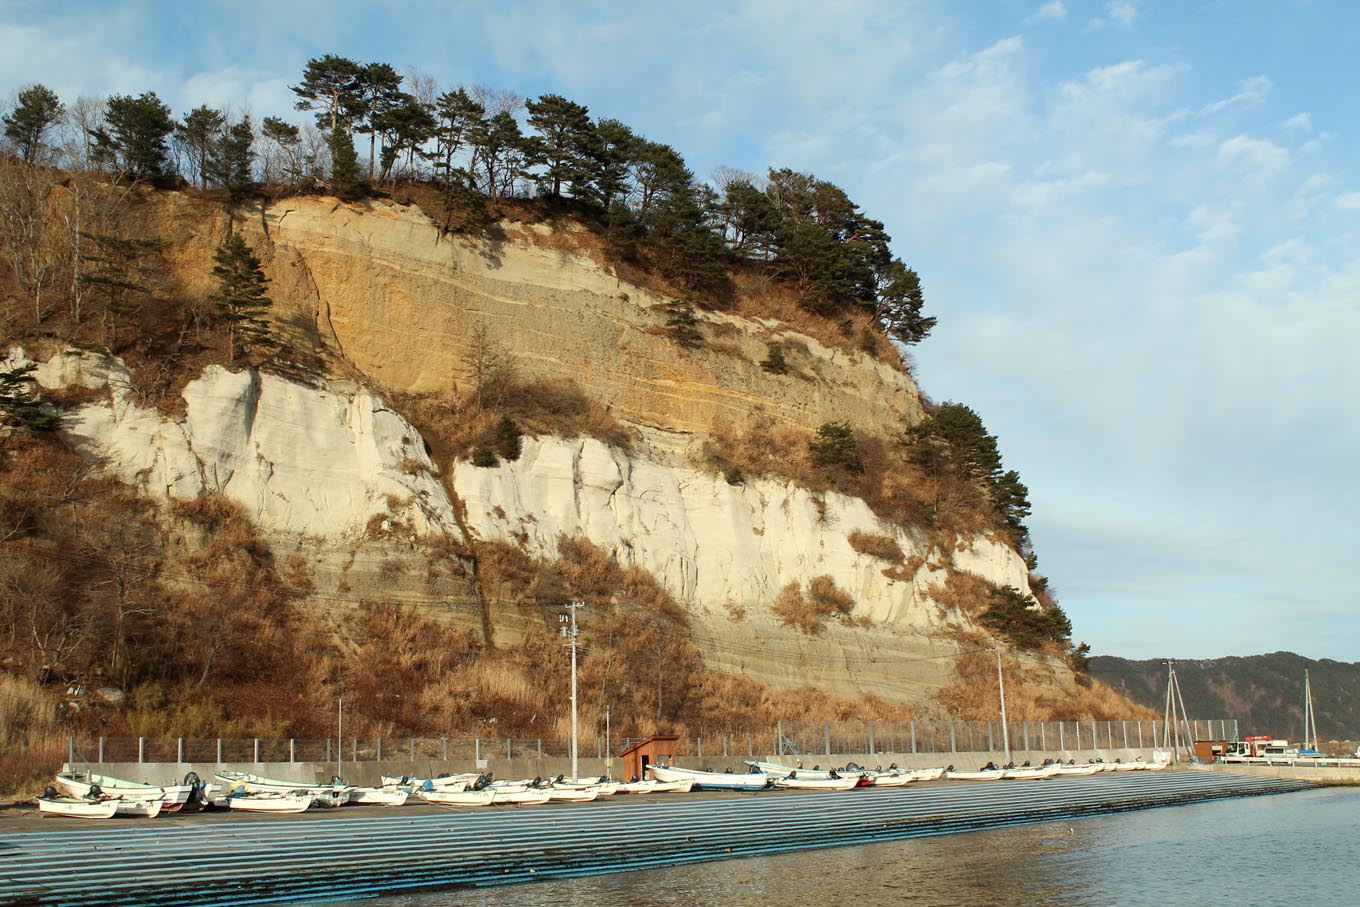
1001, 686
569, 631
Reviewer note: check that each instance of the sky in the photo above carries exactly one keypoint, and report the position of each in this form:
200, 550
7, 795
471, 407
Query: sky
1136, 222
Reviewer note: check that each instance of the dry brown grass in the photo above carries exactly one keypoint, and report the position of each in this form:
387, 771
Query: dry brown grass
808, 612
883, 547
1034, 692
34, 743
454, 426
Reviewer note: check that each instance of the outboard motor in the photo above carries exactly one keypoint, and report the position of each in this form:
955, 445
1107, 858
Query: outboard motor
195, 785
949, 767
481, 782
95, 793
832, 773
49, 793
427, 786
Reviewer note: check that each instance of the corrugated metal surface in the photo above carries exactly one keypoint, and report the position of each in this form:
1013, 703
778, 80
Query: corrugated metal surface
199, 861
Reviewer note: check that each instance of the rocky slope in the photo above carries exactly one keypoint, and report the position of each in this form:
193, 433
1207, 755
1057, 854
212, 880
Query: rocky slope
331, 470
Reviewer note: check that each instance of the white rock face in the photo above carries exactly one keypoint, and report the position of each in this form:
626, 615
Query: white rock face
301, 460
708, 542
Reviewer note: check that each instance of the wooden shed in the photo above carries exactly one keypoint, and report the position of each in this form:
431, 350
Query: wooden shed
637, 756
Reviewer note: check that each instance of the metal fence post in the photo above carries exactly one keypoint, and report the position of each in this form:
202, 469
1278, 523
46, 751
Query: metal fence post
141, 750
991, 748
953, 744
1126, 734
779, 738
1140, 733
257, 750
1061, 744
871, 738
509, 754
413, 749
101, 750
219, 751
540, 747
353, 749
179, 751
292, 750
1024, 728
726, 738
477, 748
446, 748
913, 737
379, 748
71, 752
826, 737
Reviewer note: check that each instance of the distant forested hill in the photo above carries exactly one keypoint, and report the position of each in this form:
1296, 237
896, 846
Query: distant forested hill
1265, 692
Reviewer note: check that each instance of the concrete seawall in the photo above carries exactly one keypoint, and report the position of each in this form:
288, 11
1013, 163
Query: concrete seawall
358, 852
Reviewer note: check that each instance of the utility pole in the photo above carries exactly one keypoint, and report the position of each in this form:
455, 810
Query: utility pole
569, 630
1001, 686
608, 751
339, 733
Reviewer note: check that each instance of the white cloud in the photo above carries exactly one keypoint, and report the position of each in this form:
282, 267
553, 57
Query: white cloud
1118, 14
1255, 154
1049, 12
1350, 201
1299, 123
1251, 93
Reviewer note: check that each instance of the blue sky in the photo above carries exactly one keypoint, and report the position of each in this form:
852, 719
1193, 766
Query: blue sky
1137, 223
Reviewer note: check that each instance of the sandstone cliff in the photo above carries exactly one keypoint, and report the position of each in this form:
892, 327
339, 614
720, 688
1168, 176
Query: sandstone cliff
330, 469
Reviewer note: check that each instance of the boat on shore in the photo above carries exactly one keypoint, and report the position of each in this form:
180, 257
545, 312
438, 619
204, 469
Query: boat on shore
334, 794
51, 803
459, 798
713, 780
294, 802
796, 782
172, 797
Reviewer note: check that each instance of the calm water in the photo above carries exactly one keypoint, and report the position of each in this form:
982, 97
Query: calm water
1293, 848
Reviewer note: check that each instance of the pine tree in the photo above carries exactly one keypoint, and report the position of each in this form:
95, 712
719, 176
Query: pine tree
837, 446
38, 109
508, 439
19, 408
230, 160
330, 88
344, 164
199, 133
567, 145
240, 297
134, 135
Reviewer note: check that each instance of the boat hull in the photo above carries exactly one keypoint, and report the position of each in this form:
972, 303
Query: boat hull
712, 780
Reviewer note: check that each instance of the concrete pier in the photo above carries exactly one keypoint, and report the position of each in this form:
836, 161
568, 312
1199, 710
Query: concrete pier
358, 852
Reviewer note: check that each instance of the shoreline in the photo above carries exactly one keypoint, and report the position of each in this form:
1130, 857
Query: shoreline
203, 859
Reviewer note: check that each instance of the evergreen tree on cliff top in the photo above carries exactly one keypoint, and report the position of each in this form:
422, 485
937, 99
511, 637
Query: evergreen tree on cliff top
240, 297
38, 109
133, 137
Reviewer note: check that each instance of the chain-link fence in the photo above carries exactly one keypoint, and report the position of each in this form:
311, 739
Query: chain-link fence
786, 738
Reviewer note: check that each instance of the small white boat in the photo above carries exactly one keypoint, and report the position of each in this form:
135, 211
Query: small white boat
572, 794
271, 802
79, 784
927, 774
637, 787
1030, 773
1122, 766
797, 782
892, 779
713, 780
987, 774
53, 804
460, 798
783, 771
683, 786
529, 796
378, 796
336, 793
457, 782
142, 809
1087, 769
